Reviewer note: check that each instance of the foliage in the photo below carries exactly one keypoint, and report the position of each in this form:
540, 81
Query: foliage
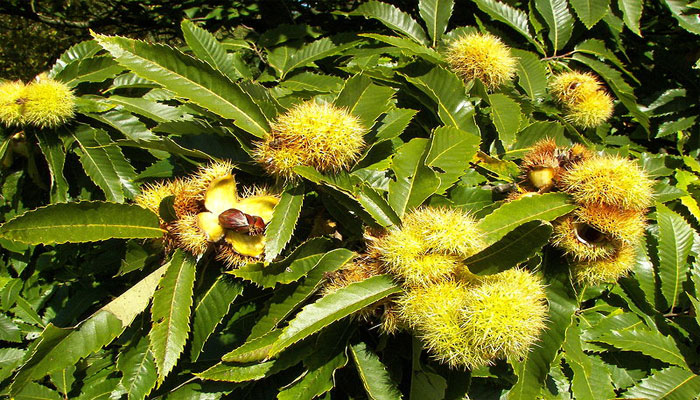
97, 301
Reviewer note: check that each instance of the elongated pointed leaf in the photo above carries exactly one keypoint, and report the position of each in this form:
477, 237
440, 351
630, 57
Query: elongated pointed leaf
59, 348
91, 69
559, 20
189, 78
35, 391
138, 370
505, 114
685, 15
590, 11
55, 156
669, 384
544, 207
451, 149
373, 374
408, 47
393, 18
75, 53
532, 74
210, 310
205, 46
81, 222
515, 247
651, 343
631, 14
158, 112
281, 227
415, 182
292, 268
318, 379
377, 206
334, 307
675, 241
510, 16
533, 369
449, 92
170, 313
126, 123
436, 14
364, 99
590, 381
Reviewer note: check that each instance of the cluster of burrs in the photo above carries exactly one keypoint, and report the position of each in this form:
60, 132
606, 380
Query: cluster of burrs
44, 103
584, 99
612, 194
205, 211
463, 320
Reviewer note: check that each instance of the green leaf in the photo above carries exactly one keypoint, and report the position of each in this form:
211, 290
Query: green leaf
590, 11
471, 199
449, 92
99, 390
292, 268
675, 242
281, 227
170, 313
310, 81
333, 307
205, 46
393, 18
76, 52
559, 20
373, 374
364, 99
436, 14
685, 14
124, 122
104, 163
64, 379
8, 330
316, 380
414, 182
375, 204
504, 219
92, 69
668, 384
451, 150
631, 14
394, 123
510, 16
287, 299
515, 247
158, 112
138, 370
651, 343
505, 114
285, 61
210, 310
409, 47
598, 49
189, 78
35, 391
591, 379
532, 74
256, 349
533, 369
55, 155
10, 358
81, 222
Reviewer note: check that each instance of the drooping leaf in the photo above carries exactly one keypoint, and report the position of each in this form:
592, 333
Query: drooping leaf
451, 149
59, 348
55, 156
292, 268
631, 14
590, 11
138, 370
590, 381
505, 114
364, 99
205, 46
515, 247
672, 383
210, 310
533, 369
281, 227
170, 313
449, 92
648, 342
189, 78
436, 14
81, 222
675, 241
559, 20
333, 307
532, 74
287, 299
393, 18
414, 182
504, 219
373, 374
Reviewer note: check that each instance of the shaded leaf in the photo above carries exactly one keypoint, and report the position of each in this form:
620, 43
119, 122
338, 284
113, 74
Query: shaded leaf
590, 11
373, 374
590, 380
81, 222
55, 155
631, 14
651, 343
138, 370
414, 182
685, 14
